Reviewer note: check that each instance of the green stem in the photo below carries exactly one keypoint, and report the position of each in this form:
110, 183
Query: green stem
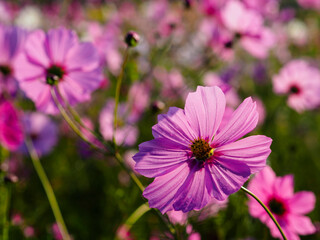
134, 217
68, 119
266, 209
48, 189
117, 95
6, 206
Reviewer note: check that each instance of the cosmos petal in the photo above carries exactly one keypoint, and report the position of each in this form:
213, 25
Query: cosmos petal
222, 181
204, 110
301, 224
284, 186
252, 151
174, 126
161, 192
159, 156
192, 194
302, 202
244, 119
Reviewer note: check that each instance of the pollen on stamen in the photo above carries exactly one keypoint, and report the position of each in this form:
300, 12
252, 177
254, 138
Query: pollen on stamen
201, 149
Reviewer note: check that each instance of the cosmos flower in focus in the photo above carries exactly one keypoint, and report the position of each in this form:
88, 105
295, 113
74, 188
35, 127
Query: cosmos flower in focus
11, 132
58, 58
191, 162
301, 82
288, 207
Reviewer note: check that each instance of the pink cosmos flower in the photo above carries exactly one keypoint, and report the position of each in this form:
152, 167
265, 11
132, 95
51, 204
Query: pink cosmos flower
11, 134
11, 43
301, 82
56, 232
248, 29
287, 207
57, 57
191, 162
42, 131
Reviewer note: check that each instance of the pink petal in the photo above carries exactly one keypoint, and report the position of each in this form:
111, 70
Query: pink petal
161, 192
284, 186
223, 180
36, 48
159, 156
88, 81
60, 41
301, 225
24, 70
192, 194
82, 56
243, 120
174, 126
262, 184
302, 202
253, 151
204, 110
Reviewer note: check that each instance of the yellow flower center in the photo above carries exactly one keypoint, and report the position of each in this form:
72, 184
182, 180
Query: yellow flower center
201, 149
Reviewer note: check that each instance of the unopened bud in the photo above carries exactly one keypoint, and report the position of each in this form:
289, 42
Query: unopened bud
132, 39
157, 106
11, 178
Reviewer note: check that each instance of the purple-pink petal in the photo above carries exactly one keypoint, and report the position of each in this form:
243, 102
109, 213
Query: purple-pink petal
253, 151
301, 224
159, 156
222, 181
161, 192
193, 193
204, 110
174, 126
243, 120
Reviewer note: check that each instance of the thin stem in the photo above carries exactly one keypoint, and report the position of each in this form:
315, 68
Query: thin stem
266, 209
6, 206
48, 189
134, 217
68, 119
117, 95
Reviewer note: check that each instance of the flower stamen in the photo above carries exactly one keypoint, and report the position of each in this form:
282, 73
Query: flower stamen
201, 149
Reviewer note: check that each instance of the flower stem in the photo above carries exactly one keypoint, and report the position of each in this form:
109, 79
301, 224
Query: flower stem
117, 94
68, 119
6, 206
48, 189
266, 209
136, 215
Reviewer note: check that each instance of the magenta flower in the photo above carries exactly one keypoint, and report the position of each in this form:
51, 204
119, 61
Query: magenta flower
191, 162
301, 82
11, 134
42, 131
287, 207
53, 58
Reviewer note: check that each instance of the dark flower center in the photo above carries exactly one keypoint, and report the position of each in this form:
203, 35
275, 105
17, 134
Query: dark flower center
34, 136
294, 89
54, 74
228, 44
5, 70
277, 207
201, 149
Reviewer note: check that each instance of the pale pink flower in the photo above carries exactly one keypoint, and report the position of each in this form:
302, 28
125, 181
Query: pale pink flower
301, 82
247, 26
57, 58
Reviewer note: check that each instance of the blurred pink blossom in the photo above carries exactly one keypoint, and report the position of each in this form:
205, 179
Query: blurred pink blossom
57, 58
288, 207
301, 82
11, 132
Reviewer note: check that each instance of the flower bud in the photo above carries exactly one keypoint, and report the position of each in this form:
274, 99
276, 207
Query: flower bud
132, 39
